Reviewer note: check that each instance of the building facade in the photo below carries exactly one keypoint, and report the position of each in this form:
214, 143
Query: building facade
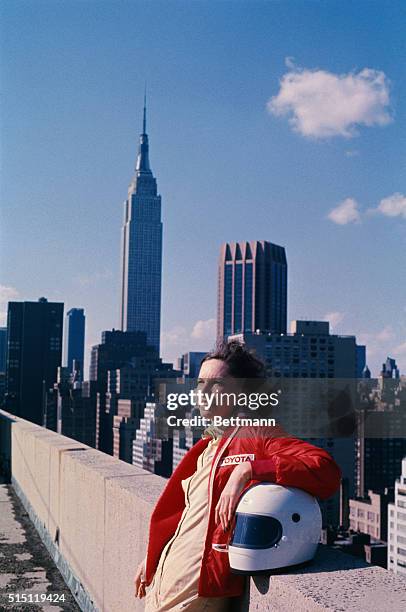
309, 351
74, 342
116, 350
252, 288
34, 353
370, 514
71, 407
141, 251
381, 442
320, 364
189, 363
152, 446
397, 526
3, 348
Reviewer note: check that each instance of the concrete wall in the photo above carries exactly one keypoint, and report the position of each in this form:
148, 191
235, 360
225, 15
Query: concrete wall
93, 510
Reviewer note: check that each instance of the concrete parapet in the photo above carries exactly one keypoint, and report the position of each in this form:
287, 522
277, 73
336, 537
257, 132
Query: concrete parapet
92, 512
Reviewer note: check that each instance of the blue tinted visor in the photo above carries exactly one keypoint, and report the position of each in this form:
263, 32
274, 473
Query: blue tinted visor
255, 531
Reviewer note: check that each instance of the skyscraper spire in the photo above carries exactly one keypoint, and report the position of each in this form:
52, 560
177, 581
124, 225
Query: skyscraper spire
144, 122
142, 165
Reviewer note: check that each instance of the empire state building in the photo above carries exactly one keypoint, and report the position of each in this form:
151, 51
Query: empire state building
142, 250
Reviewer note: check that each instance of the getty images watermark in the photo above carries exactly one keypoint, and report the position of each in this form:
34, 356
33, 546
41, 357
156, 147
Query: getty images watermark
206, 401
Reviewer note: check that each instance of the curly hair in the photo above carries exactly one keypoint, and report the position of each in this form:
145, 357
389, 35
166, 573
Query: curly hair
244, 365
241, 362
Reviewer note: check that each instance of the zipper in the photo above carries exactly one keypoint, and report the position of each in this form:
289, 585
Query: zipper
211, 480
169, 544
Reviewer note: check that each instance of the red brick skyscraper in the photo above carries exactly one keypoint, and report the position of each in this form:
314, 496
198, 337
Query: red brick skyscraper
252, 288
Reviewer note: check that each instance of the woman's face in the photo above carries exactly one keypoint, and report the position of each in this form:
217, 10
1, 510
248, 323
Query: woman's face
214, 379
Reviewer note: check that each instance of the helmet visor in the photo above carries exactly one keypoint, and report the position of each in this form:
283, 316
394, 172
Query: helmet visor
255, 531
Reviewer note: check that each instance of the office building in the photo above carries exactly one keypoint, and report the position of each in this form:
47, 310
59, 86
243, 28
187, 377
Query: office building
71, 407
141, 253
34, 352
309, 351
312, 404
189, 363
362, 368
3, 352
74, 341
252, 288
3, 348
116, 350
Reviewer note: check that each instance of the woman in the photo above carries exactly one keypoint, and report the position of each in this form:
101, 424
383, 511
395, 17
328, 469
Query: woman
195, 510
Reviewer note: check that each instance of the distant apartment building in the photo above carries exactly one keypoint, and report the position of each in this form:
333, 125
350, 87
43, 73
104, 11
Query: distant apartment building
370, 515
397, 526
34, 353
125, 426
252, 288
74, 341
381, 442
152, 446
183, 440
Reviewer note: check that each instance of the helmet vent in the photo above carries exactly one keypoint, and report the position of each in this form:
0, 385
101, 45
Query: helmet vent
295, 517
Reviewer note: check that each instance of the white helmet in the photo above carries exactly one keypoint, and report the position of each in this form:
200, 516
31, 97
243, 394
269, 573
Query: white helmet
275, 527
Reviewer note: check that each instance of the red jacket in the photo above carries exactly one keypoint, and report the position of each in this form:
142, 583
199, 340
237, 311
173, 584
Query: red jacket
283, 460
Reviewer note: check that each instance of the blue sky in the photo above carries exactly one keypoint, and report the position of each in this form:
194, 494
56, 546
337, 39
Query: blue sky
228, 166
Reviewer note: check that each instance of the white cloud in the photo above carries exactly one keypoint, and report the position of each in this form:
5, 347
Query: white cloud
175, 337
204, 330
346, 212
7, 294
393, 206
322, 104
179, 339
383, 343
379, 343
334, 318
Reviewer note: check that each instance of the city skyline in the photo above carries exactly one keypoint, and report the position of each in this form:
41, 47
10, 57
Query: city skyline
239, 155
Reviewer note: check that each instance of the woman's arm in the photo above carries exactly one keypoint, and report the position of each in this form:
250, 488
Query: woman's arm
291, 462
295, 463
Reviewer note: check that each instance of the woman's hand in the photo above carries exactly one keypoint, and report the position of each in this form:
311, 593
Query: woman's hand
139, 580
231, 493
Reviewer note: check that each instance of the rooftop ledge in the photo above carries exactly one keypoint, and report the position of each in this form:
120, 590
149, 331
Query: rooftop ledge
92, 513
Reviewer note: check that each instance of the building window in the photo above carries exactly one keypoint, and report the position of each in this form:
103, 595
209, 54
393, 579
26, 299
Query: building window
248, 297
238, 299
228, 299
